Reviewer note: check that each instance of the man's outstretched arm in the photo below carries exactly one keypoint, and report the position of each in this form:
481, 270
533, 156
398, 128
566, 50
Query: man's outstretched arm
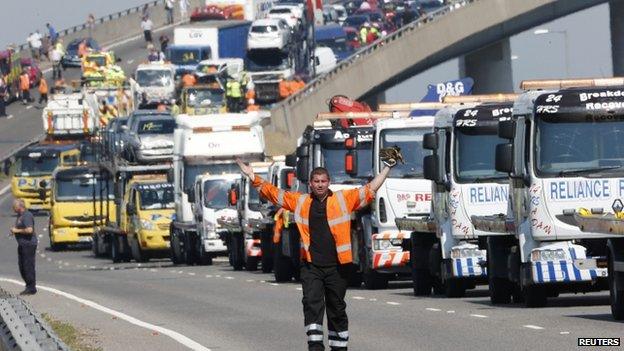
280, 197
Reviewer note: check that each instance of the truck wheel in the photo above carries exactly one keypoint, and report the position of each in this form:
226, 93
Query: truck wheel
422, 279
500, 290
203, 258
534, 296
115, 250
266, 244
355, 277
252, 264
283, 269
616, 290
188, 254
236, 251
137, 253
454, 288
374, 280
56, 247
175, 251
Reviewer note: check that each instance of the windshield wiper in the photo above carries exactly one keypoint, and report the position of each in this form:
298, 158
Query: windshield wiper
587, 170
490, 179
412, 175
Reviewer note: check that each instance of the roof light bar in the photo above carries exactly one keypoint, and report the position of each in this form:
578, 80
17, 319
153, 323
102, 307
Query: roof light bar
570, 83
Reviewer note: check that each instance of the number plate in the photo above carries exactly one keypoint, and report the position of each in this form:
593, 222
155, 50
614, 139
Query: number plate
85, 239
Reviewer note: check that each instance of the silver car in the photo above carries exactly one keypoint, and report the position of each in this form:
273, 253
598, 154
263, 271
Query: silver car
149, 139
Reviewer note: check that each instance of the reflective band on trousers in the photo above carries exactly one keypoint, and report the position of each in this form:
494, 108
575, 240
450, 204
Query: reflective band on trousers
314, 326
342, 334
315, 337
338, 343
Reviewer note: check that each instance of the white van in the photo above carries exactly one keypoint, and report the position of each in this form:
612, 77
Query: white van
324, 60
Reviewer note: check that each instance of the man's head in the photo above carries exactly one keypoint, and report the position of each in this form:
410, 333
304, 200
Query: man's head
19, 206
319, 182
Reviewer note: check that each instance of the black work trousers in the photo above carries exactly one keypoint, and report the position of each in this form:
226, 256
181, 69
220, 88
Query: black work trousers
26, 261
325, 288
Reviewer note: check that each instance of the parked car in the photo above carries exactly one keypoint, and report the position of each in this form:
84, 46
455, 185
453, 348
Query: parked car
341, 11
149, 138
292, 14
269, 33
71, 58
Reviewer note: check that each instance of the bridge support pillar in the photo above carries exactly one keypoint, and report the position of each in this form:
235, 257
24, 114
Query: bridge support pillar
490, 67
616, 13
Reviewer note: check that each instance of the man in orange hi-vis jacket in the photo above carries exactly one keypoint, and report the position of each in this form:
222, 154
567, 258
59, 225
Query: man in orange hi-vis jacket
323, 219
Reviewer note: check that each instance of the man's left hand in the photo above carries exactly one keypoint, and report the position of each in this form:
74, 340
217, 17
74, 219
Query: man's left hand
14, 230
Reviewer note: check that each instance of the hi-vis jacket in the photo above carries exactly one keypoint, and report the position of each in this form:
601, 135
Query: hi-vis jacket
340, 205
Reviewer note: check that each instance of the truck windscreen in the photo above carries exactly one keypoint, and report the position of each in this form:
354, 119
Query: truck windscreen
259, 61
156, 196
254, 196
191, 171
154, 78
334, 161
204, 97
215, 193
565, 145
338, 45
82, 189
35, 166
410, 142
475, 154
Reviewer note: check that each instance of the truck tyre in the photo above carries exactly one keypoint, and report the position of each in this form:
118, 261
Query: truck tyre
203, 258
266, 244
282, 266
616, 289
500, 290
137, 253
115, 250
236, 251
252, 263
175, 251
188, 254
454, 288
422, 280
534, 296
94, 245
373, 280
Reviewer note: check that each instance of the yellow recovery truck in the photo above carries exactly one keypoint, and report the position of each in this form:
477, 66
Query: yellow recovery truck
33, 167
74, 214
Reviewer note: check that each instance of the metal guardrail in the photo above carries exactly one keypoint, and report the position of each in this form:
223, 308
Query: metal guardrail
101, 20
16, 149
22, 329
368, 50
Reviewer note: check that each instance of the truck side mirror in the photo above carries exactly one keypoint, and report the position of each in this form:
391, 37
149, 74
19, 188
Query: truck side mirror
43, 184
507, 129
290, 179
431, 169
130, 209
430, 141
302, 151
504, 158
232, 196
351, 143
190, 195
302, 169
291, 160
350, 165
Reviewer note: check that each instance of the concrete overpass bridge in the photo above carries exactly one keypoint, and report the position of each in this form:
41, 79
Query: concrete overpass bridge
476, 31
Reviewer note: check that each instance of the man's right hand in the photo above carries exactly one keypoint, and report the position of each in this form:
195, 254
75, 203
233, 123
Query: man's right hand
246, 169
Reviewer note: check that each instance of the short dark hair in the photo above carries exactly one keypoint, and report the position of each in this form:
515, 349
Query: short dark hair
319, 171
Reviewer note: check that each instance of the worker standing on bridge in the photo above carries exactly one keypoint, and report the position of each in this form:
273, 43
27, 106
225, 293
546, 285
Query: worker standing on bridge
3, 91
24, 231
323, 219
43, 91
24, 84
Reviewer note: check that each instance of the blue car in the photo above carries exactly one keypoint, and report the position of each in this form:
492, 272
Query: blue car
71, 58
333, 36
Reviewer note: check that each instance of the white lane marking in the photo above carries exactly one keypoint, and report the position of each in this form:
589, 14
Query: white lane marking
478, 316
248, 280
373, 299
218, 275
180, 272
5, 189
153, 270
299, 289
208, 275
357, 297
433, 309
450, 311
191, 273
49, 259
9, 116
130, 62
28, 107
229, 278
191, 344
274, 284
392, 303
535, 327
564, 333
40, 235
92, 267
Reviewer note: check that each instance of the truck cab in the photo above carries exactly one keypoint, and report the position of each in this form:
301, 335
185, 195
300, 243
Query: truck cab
203, 144
155, 82
561, 154
465, 185
73, 215
148, 210
202, 99
33, 168
211, 206
185, 58
267, 68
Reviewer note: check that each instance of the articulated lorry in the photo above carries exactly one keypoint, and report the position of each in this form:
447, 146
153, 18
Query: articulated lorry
74, 215
207, 145
561, 154
451, 257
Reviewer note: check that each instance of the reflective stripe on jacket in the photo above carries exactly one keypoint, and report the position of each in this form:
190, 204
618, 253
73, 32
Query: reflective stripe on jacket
340, 205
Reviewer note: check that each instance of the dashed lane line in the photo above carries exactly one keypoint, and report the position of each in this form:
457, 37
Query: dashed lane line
392, 303
5, 189
564, 332
450, 311
433, 309
28, 107
357, 297
10, 116
534, 327
478, 316
184, 340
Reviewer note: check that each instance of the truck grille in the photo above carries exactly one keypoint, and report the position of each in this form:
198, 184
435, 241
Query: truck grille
163, 226
84, 218
267, 91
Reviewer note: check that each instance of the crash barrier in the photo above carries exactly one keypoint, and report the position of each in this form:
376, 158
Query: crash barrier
292, 101
120, 25
12, 151
22, 329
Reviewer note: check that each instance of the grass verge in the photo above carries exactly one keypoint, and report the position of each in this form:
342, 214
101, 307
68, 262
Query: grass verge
74, 338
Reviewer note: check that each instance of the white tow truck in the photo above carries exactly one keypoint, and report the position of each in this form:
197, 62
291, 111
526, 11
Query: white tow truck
207, 145
155, 82
465, 184
562, 153
69, 114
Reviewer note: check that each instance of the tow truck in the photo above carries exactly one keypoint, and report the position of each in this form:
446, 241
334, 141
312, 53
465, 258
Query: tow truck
452, 257
207, 144
70, 113
202, 99
155, 82
33, 168
561, 152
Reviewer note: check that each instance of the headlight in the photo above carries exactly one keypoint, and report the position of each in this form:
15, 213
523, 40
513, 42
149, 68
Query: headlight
22, 182
147, 224
548, 255
466, 252
384, 244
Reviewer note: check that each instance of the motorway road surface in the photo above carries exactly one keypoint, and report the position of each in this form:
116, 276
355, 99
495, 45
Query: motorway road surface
226, 310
